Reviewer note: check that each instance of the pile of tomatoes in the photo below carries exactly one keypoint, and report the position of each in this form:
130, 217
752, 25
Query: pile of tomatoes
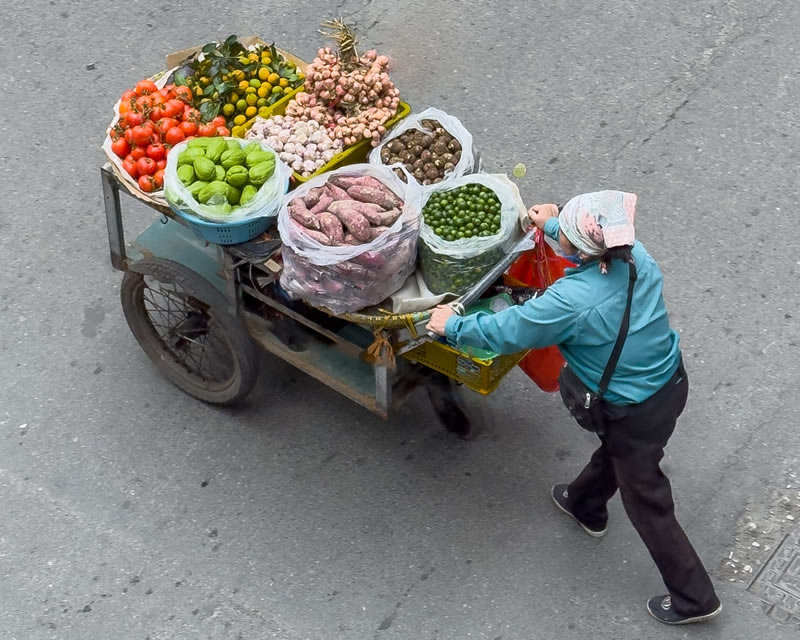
153, 120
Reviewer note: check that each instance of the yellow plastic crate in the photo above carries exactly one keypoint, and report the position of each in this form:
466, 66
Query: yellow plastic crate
477, 374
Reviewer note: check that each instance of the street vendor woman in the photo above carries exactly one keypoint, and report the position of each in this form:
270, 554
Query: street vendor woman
582, 313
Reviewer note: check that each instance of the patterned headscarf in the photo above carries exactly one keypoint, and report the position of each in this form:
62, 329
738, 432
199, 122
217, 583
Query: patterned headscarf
594, 222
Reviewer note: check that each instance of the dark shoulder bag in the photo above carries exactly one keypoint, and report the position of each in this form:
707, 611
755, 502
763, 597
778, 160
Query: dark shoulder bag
587, 407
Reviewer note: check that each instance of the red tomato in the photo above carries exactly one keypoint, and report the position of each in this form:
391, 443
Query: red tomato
219, 121
145, 87
165, 124
184, 94
129, 136
158, 178
121, 147
128, 96
144, 102
156, 151
161, 164
193, 115
174, 106
146, 166
141, 135
174, 136
137, 153
189, 127
190, 138
171, 111
146, 183
129, 164
124, 107
156, 114
133, 119
158, 98
206, 130
223, 131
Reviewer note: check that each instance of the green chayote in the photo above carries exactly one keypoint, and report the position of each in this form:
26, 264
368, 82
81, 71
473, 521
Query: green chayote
248, 193
187, 156
211, 190
186, 174
215, 149
204, 169
237, 176
261, 172
231, 158
257, 157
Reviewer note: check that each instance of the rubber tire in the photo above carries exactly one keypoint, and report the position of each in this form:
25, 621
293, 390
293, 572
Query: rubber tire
243, 352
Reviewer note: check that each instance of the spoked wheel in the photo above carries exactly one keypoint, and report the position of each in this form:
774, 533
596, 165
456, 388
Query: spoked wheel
182, 323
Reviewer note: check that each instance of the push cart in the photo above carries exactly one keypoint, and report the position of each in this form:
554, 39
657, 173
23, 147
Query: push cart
196, 310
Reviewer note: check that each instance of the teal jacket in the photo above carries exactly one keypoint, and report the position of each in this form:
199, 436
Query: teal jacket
581, 314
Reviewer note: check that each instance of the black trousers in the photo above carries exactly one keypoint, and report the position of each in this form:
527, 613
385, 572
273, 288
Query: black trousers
628, 459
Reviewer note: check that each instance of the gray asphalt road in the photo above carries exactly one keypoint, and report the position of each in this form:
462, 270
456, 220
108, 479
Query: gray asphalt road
132, 511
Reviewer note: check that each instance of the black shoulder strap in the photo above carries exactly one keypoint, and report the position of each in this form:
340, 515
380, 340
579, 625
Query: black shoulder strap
623, 333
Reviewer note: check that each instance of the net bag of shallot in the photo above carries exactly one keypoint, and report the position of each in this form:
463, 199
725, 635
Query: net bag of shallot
349, 237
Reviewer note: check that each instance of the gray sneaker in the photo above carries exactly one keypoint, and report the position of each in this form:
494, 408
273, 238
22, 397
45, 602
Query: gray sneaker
560, 494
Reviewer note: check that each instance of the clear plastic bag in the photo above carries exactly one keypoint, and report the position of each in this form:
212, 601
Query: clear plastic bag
453, 267
265, 203
451, 124
348, 278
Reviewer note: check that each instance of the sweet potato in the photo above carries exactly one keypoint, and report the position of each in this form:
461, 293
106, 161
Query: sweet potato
373, 212
356, 223
377, 232
349, 238
382, 196
311, 233
324, 202
313, 196
331, 227
382, 218
364, 208
336, 193
370, 259
299, 213
345, 182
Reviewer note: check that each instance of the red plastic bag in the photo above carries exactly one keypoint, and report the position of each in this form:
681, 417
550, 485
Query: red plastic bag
539, 268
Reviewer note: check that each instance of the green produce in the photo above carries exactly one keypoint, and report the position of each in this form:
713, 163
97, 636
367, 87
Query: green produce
256, 157
230, 181
186, 174
204, 169
196, 186
471, 211
464, 215
231, 158
253, 146
215, 149
233, 194
237, 176
188, 156
447, 274
261, 172
199, 143
248, 193
219, 209
215, 188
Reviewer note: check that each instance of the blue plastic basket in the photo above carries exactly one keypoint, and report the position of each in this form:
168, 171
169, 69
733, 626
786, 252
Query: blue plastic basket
226, 233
